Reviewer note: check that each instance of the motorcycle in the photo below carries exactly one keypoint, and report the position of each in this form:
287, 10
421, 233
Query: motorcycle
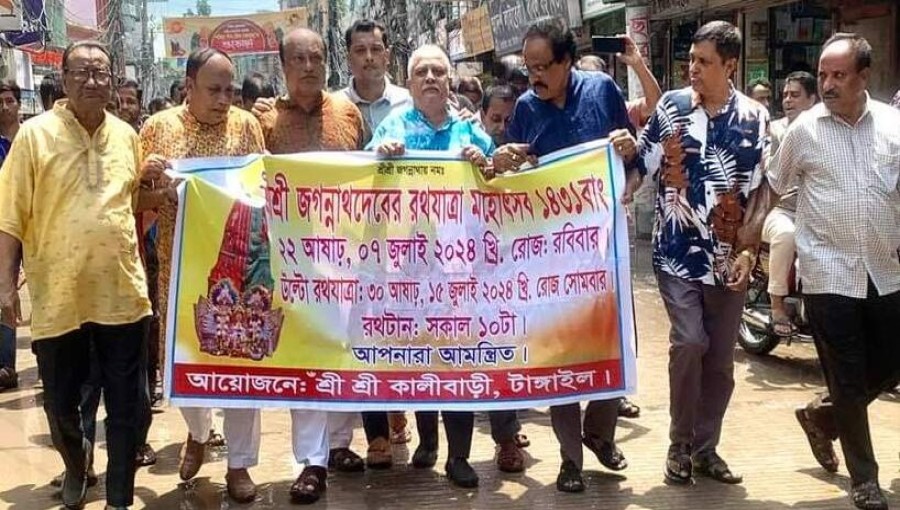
757, 335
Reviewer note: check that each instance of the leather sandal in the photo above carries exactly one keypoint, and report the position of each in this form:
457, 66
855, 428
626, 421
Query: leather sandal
309, 486
607, 453
510, 458
569, 478
345, 461
679, 467
712, 466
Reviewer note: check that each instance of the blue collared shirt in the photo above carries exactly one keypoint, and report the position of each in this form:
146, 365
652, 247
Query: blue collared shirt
594, 107
706, 167
412, 128
5, 145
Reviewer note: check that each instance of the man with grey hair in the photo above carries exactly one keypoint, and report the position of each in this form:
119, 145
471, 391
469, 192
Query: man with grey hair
591, 63
431, 125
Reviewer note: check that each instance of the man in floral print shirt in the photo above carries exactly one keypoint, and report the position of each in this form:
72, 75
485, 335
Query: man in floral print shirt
705, 148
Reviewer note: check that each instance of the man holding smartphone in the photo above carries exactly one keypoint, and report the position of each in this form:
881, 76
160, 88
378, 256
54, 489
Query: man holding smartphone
542, 122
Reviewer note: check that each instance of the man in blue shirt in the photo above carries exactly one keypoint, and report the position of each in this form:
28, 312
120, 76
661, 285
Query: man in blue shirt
10, 100
565, 108
705, 147
430, 125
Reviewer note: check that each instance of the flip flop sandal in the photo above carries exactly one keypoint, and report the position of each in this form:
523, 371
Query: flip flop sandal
788, 328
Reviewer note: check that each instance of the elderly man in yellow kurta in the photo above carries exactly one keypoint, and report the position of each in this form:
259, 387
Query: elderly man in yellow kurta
208, 126
68, 194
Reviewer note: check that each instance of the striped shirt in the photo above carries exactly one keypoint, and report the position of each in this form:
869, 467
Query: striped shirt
848, 213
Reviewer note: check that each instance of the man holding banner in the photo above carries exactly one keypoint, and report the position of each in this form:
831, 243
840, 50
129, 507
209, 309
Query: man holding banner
542, 123
311, 119
207, 127
429, 125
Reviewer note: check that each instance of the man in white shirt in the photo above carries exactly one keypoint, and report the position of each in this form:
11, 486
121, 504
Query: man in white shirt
370, 89
844, 156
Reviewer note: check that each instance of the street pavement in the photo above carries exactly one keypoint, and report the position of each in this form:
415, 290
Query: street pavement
761, 440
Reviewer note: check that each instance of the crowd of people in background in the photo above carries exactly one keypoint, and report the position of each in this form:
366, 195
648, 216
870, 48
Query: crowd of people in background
99, 291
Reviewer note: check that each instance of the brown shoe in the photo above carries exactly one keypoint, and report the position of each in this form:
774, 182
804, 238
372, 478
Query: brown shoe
240, 486
510, 458
819, 441
380, 455
192, 456
399, 433
309, 486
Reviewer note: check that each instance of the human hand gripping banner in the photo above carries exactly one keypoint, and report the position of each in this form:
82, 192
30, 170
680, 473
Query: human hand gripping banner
351, 283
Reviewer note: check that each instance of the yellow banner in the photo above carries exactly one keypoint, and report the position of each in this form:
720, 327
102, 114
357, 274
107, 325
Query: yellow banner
235, 35
356, 283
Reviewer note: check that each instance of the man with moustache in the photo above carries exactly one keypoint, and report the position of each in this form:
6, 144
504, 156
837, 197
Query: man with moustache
564, 108
844, 157
208, 126
310, 119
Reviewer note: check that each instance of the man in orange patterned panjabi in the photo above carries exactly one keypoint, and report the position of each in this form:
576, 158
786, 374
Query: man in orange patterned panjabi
208, 126
310, 119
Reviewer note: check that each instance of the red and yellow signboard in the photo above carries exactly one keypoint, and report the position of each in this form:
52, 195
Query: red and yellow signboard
235, 35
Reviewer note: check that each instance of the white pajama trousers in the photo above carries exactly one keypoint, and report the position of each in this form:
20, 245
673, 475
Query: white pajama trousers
340, 428
310, 436
241, 428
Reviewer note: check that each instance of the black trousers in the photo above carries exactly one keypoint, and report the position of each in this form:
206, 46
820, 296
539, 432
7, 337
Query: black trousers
457, 424
504, 426
64, 364
376, 425
856, 340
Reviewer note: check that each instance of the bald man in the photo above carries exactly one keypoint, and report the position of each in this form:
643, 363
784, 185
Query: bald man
309, 119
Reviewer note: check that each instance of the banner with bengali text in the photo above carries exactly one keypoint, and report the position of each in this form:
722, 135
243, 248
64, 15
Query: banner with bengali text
246, 34
340, 281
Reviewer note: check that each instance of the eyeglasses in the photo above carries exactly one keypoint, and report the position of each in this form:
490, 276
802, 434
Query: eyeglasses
101, 76
539, 68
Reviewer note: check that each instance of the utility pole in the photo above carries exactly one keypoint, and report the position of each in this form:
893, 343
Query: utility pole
146, 54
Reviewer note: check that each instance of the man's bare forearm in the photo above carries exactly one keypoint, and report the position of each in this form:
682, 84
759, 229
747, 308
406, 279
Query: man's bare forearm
759, 205
150, 199
10, 261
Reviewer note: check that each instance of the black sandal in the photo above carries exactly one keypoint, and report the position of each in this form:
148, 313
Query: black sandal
309, 486
215, 440
345, 461
607, 453
628, 409
522, 441
678, 465
713, 466
569, 479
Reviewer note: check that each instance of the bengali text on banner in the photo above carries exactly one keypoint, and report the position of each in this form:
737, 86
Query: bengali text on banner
339, 281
